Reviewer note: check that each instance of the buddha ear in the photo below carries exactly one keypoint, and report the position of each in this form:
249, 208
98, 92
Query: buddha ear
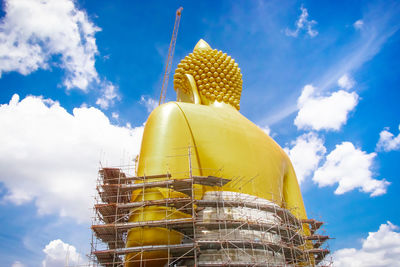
193, 88
188, 93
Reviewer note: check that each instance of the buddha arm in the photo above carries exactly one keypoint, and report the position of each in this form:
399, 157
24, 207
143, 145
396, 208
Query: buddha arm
165, 143
292, 193
294, 201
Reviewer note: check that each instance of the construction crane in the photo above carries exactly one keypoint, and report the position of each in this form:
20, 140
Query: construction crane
171, 51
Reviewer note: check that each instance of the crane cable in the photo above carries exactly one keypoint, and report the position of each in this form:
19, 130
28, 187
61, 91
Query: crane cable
171, 51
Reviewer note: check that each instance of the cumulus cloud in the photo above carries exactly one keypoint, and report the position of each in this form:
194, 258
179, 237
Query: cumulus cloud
115, 115
306, 153
265, 129
346, 82
359, 24
18, 264
59, 254
51, 157
387, 141
109, 95
148, 102
381, 248
303, 24
32, 32
324, 112
350, 167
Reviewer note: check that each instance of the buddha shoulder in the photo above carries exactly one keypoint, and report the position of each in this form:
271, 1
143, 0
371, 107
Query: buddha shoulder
165, 114
192, 113
209, 120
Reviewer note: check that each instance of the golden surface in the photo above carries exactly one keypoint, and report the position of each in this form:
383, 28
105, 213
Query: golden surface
222, 142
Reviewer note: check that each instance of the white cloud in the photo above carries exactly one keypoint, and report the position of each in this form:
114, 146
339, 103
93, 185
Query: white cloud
18, 264
305, 154
59, 254
148, 102
115, 115
381, 248
368, 44
33, 31
346, 82
350, 167
387, 141
265, 129
109, 95
324, 113
303, 24
359, 24
51, 157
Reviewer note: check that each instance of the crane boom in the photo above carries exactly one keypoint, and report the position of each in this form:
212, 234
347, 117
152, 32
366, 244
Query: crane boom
171, 51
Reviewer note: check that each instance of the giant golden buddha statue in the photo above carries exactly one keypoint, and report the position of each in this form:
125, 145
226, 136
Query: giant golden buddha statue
205, 120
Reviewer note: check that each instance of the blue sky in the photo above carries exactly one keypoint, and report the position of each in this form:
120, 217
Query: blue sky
78, 79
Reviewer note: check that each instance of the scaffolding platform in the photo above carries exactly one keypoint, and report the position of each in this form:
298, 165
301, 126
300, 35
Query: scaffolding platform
240, 225
314, 224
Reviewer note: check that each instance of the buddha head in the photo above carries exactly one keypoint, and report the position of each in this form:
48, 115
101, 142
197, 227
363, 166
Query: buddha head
208, 77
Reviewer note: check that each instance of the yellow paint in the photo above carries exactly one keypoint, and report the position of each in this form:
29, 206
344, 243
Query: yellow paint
222, 142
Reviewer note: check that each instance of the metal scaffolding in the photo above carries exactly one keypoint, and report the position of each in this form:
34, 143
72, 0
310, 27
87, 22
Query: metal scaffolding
221, 229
